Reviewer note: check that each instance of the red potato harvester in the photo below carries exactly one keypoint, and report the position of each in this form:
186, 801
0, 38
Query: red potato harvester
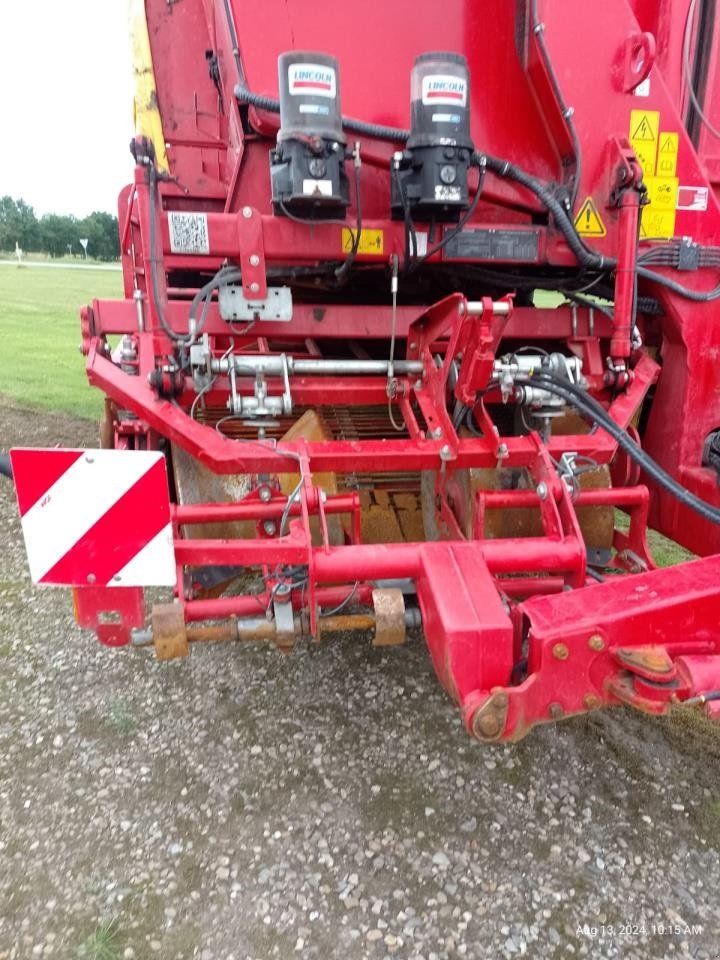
419, 330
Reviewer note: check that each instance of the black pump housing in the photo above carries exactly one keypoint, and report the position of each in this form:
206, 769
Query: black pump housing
430, 177
307, 166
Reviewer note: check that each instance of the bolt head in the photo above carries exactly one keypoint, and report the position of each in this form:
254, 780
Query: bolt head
254, 260
542, 490
487, 726
265, 494
560, 651
270, 528
502, 450
596, 642
254, 287
247, 212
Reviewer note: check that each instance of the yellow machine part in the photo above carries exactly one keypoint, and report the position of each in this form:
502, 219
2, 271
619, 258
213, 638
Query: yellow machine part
147, 115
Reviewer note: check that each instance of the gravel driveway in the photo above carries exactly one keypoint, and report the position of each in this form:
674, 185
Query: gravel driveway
241, 804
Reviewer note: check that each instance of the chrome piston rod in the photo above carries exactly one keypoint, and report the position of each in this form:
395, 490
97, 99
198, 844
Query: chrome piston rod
278, 365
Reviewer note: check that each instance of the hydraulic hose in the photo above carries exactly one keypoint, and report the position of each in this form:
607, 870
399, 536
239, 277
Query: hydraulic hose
585, 256
508, 171
698, 296
588, 406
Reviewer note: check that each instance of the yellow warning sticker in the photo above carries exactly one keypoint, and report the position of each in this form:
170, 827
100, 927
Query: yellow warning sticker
643, 134
588, 222
657, 224
371, 241
658, 218
667, 154
662, 192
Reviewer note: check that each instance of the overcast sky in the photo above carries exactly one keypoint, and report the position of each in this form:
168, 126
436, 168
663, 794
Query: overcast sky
65, 103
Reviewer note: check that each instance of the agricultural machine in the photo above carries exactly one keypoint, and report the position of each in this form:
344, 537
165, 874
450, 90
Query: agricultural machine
419, 330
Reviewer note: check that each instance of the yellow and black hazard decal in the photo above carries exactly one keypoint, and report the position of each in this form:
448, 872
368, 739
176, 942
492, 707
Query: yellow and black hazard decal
371, 241
588, 222
643, 134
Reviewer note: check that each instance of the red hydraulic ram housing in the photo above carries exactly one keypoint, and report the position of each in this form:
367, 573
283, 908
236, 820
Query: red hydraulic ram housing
419, 329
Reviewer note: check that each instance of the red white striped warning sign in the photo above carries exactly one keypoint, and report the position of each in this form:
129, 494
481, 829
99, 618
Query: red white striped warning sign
98, 517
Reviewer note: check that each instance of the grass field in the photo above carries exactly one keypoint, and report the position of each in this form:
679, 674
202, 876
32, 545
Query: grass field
40, 329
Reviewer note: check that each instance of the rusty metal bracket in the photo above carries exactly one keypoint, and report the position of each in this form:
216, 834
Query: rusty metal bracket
389, 607
169, 631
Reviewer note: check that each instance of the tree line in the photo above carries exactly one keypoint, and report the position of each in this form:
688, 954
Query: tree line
57, 235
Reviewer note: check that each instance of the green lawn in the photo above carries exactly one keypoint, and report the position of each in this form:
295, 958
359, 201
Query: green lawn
40, 330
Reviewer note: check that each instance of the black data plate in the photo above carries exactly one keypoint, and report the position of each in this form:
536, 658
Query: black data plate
511, 246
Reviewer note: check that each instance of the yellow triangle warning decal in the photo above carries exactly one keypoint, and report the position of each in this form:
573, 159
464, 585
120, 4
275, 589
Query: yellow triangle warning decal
644, 130
588, 222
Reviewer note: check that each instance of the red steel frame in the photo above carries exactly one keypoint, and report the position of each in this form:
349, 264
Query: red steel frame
575, 637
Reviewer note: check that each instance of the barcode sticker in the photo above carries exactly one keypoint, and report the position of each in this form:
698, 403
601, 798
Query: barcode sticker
188, 232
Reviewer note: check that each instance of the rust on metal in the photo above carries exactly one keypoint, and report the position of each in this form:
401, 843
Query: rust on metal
169, 633
349, 622
489, 719
389, 607
648, 661
560, 651
596, 642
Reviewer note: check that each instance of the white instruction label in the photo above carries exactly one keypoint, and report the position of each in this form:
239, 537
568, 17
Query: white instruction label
188, 232
311, 78
692, 198
317, 188
442, 88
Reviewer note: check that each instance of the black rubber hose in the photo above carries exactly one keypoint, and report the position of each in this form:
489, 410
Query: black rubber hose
503, 168
567, 113
169, 332
5, 466
508, 171
459, 226
698, 296
588, 406
376, 130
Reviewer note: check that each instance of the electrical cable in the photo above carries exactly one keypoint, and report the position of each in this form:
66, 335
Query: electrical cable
291, 499
697, 296
167, 329
456, 229
345, 602
375, 130
567, 112
201, 393
688, 72
410, 234
392, 383
233, 40
590, 407
342, 272
584, 255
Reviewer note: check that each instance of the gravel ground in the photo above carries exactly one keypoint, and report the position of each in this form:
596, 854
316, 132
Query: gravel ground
242, 804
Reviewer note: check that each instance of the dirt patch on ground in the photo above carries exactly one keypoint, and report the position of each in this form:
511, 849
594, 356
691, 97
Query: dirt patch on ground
242, 804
